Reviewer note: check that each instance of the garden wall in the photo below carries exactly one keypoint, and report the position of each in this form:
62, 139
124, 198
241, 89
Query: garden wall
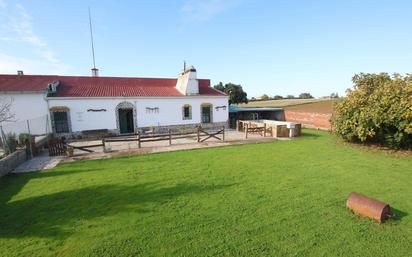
309, 119
11, 161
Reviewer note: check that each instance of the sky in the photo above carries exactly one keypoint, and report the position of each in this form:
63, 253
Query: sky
269, 47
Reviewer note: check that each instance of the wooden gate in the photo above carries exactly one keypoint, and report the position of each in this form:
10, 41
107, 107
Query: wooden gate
57, 147
210, 134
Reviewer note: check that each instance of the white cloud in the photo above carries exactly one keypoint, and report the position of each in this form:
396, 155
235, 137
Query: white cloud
17, 27
22, 25
204, 10
10, 64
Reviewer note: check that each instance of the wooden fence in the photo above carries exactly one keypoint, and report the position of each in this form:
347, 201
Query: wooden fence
57, 147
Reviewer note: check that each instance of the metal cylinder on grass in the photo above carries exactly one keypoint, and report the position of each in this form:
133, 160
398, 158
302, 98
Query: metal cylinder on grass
368, 207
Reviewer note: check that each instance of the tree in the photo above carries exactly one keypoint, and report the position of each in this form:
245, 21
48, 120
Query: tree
290, 97
277, 97
5, 110
334, 95
234, 91
264, 97
377, 110
220, 87
305, 96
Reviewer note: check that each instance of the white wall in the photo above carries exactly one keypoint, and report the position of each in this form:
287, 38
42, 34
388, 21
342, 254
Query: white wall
170, 111
26, 106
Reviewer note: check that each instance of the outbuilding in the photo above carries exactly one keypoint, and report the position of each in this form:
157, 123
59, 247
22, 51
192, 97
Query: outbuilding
247, 113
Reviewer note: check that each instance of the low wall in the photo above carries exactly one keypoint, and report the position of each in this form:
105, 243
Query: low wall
309, 119
274, 127
13, 160
164, 129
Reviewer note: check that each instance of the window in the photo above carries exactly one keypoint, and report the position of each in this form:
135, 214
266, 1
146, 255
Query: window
206, 113
61, 123
187, 112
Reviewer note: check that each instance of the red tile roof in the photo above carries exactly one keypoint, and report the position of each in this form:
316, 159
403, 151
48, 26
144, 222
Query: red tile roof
81, 86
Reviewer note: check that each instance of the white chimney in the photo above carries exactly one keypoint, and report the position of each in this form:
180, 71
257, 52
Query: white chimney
95, 72
187, 82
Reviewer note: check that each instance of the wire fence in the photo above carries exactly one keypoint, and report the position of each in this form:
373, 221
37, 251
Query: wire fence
24, 133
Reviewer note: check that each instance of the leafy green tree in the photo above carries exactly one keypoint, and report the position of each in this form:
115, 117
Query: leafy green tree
377, 110
290, 97
220, 87
305, 96
234, 91
277, 97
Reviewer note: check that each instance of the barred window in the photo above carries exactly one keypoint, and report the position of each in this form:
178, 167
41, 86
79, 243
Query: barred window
206, 112
61, 122
187, 112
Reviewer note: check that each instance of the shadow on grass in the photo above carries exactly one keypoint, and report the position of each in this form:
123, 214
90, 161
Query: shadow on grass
57, 215
309, 134
398, 215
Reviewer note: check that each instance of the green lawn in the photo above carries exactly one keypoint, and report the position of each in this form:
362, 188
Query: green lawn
284, 198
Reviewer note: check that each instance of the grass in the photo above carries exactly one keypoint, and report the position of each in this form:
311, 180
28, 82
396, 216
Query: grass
325, 106
285, 198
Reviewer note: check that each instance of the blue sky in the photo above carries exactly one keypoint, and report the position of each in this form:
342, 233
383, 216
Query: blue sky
272, 47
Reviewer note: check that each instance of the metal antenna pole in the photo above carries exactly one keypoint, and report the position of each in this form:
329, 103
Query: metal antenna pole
91, 39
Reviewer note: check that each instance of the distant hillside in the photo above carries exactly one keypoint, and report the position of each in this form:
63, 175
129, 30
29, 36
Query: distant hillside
324, 106
280, 103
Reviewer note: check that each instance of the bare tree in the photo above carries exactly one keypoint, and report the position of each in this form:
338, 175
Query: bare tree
5, 110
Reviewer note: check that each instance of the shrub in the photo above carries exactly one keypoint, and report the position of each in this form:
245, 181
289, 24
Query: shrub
11, 142
377, 110
23, 137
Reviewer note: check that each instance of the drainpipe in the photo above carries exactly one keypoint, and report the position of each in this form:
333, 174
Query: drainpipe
135, 117
48, 113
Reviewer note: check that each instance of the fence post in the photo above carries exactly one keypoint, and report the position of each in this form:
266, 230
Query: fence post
237, 125
264, 131
198, 134
104, 144
6, 146
170, 136
223, 133
31, 147
246, 129
139, 145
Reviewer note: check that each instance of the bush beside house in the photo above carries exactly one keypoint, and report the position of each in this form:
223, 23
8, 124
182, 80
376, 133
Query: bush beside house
377, 110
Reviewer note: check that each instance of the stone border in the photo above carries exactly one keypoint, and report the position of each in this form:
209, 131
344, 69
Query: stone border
10, 162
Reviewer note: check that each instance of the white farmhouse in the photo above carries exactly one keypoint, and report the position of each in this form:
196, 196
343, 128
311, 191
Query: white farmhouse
121, 105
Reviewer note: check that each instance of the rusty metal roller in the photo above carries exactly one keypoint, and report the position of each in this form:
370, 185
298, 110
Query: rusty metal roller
368, 207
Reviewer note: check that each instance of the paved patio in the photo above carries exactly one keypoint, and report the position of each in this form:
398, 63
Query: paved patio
113, 149
40, 162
